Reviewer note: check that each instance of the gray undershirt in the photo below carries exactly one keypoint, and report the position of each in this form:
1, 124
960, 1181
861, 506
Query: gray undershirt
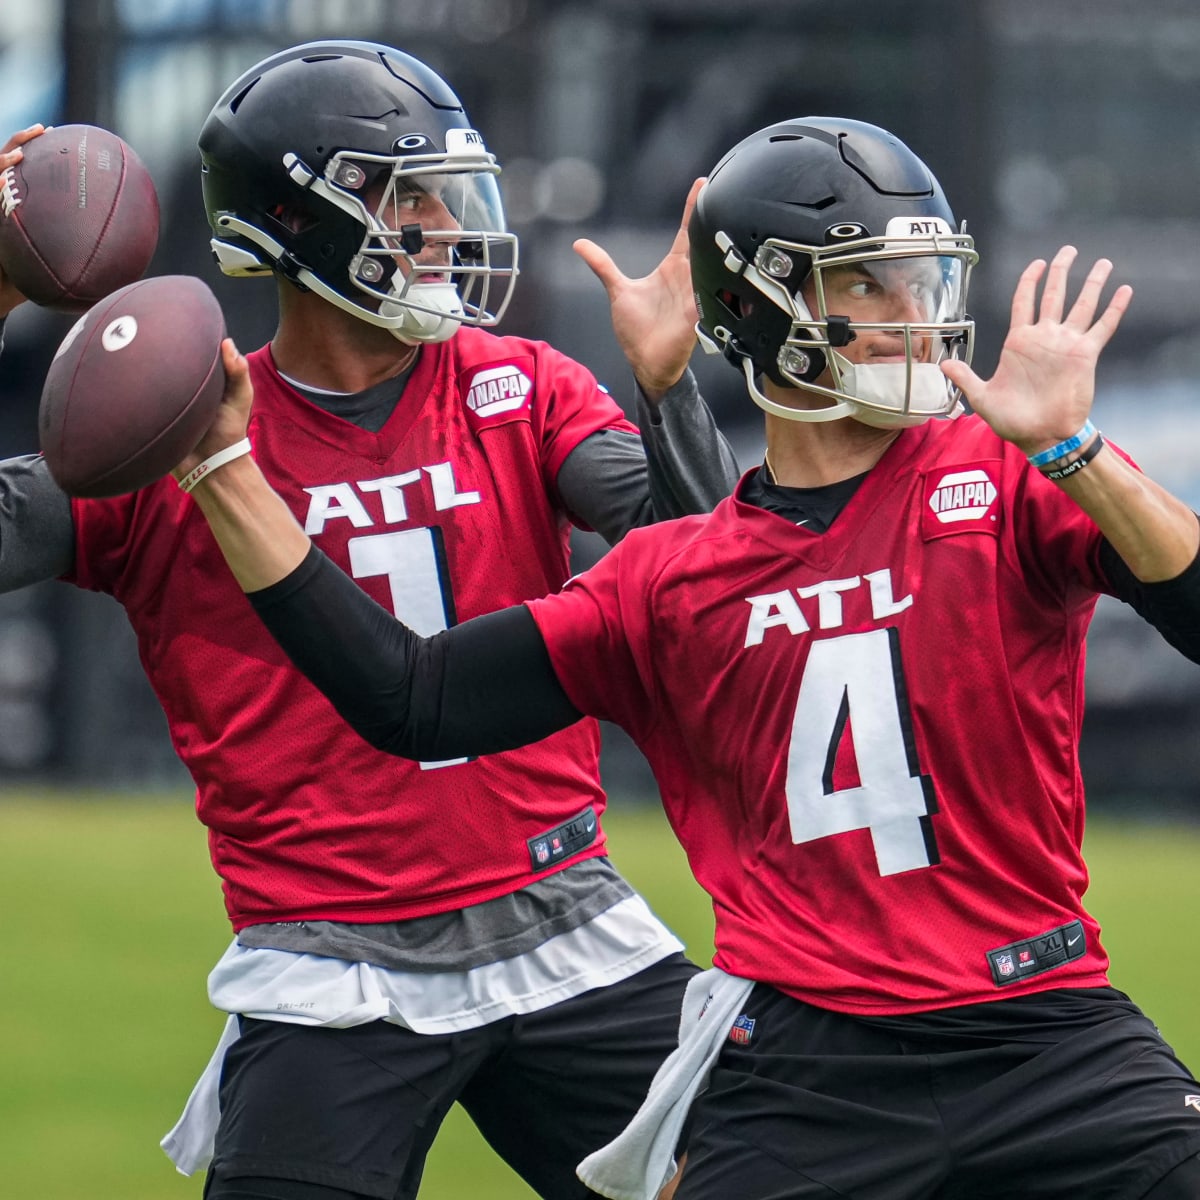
607, 484
465, 937
37, 534
368, 409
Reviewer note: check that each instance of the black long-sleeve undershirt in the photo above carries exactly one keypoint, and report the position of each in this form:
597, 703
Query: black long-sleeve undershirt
488, 685
477, 688
1172, 606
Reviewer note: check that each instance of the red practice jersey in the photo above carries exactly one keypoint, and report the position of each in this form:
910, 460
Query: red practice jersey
447, 512
865, 739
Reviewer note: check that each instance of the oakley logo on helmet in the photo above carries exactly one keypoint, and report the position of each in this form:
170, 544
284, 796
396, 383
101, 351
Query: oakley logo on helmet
846, 231
410, 142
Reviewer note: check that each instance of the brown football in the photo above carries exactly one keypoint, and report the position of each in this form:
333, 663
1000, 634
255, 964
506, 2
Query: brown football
78, 218
134, 386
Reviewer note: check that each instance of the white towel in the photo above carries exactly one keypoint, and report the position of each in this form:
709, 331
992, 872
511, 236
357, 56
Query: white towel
309, 989
641, 1159
190, 1142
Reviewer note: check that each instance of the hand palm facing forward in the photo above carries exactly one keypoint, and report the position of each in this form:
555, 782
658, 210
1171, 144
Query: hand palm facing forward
1044, 384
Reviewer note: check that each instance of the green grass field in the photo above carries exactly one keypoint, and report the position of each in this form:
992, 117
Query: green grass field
112, 917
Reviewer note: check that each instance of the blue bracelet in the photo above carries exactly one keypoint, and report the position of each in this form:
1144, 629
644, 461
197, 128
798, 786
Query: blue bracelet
1063, 448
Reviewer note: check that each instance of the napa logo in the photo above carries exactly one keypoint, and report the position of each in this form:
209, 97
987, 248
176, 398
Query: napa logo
464, 143
962, 496
498, 390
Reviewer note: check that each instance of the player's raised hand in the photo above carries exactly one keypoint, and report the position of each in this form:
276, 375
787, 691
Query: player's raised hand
1044, 384
654, 318
10, 155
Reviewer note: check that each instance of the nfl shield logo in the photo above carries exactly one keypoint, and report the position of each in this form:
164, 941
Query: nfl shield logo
1004, 964
742, 1030
541, 851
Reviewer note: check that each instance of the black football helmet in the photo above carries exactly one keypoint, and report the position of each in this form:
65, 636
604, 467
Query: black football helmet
334, 163
796, 199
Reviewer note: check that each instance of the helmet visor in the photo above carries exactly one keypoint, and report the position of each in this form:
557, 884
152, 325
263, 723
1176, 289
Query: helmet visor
918, 292
878, 316
452, 203
431, 220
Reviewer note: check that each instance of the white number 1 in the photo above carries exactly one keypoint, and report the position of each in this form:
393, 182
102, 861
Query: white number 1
856, 680
416, 575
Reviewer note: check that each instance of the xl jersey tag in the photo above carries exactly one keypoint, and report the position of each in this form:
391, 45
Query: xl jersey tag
1019, 960
497, 393
550, 848
961, 499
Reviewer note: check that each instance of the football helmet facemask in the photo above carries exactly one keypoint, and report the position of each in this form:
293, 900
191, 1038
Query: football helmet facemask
807, 219
350, 169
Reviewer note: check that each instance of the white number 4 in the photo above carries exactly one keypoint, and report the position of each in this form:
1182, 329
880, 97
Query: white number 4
857, 680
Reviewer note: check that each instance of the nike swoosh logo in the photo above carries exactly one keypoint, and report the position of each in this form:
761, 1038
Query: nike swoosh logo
1072, 941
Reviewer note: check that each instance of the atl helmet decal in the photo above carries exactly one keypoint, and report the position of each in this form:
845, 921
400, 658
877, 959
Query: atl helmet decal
917, 227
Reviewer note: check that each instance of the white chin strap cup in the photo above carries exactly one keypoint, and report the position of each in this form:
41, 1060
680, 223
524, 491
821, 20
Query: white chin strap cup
882, 384
438, 318
441, 300
880, 391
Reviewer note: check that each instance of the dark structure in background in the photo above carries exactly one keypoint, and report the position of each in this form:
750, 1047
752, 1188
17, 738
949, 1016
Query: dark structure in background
1046, 122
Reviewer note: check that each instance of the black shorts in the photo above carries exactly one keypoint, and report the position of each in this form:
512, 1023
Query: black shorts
1071, 1094
357, 1109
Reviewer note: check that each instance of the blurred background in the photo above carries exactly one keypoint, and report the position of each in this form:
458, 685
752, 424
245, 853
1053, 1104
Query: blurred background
1047, 121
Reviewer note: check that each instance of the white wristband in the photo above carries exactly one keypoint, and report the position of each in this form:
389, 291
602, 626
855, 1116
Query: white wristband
219, 459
